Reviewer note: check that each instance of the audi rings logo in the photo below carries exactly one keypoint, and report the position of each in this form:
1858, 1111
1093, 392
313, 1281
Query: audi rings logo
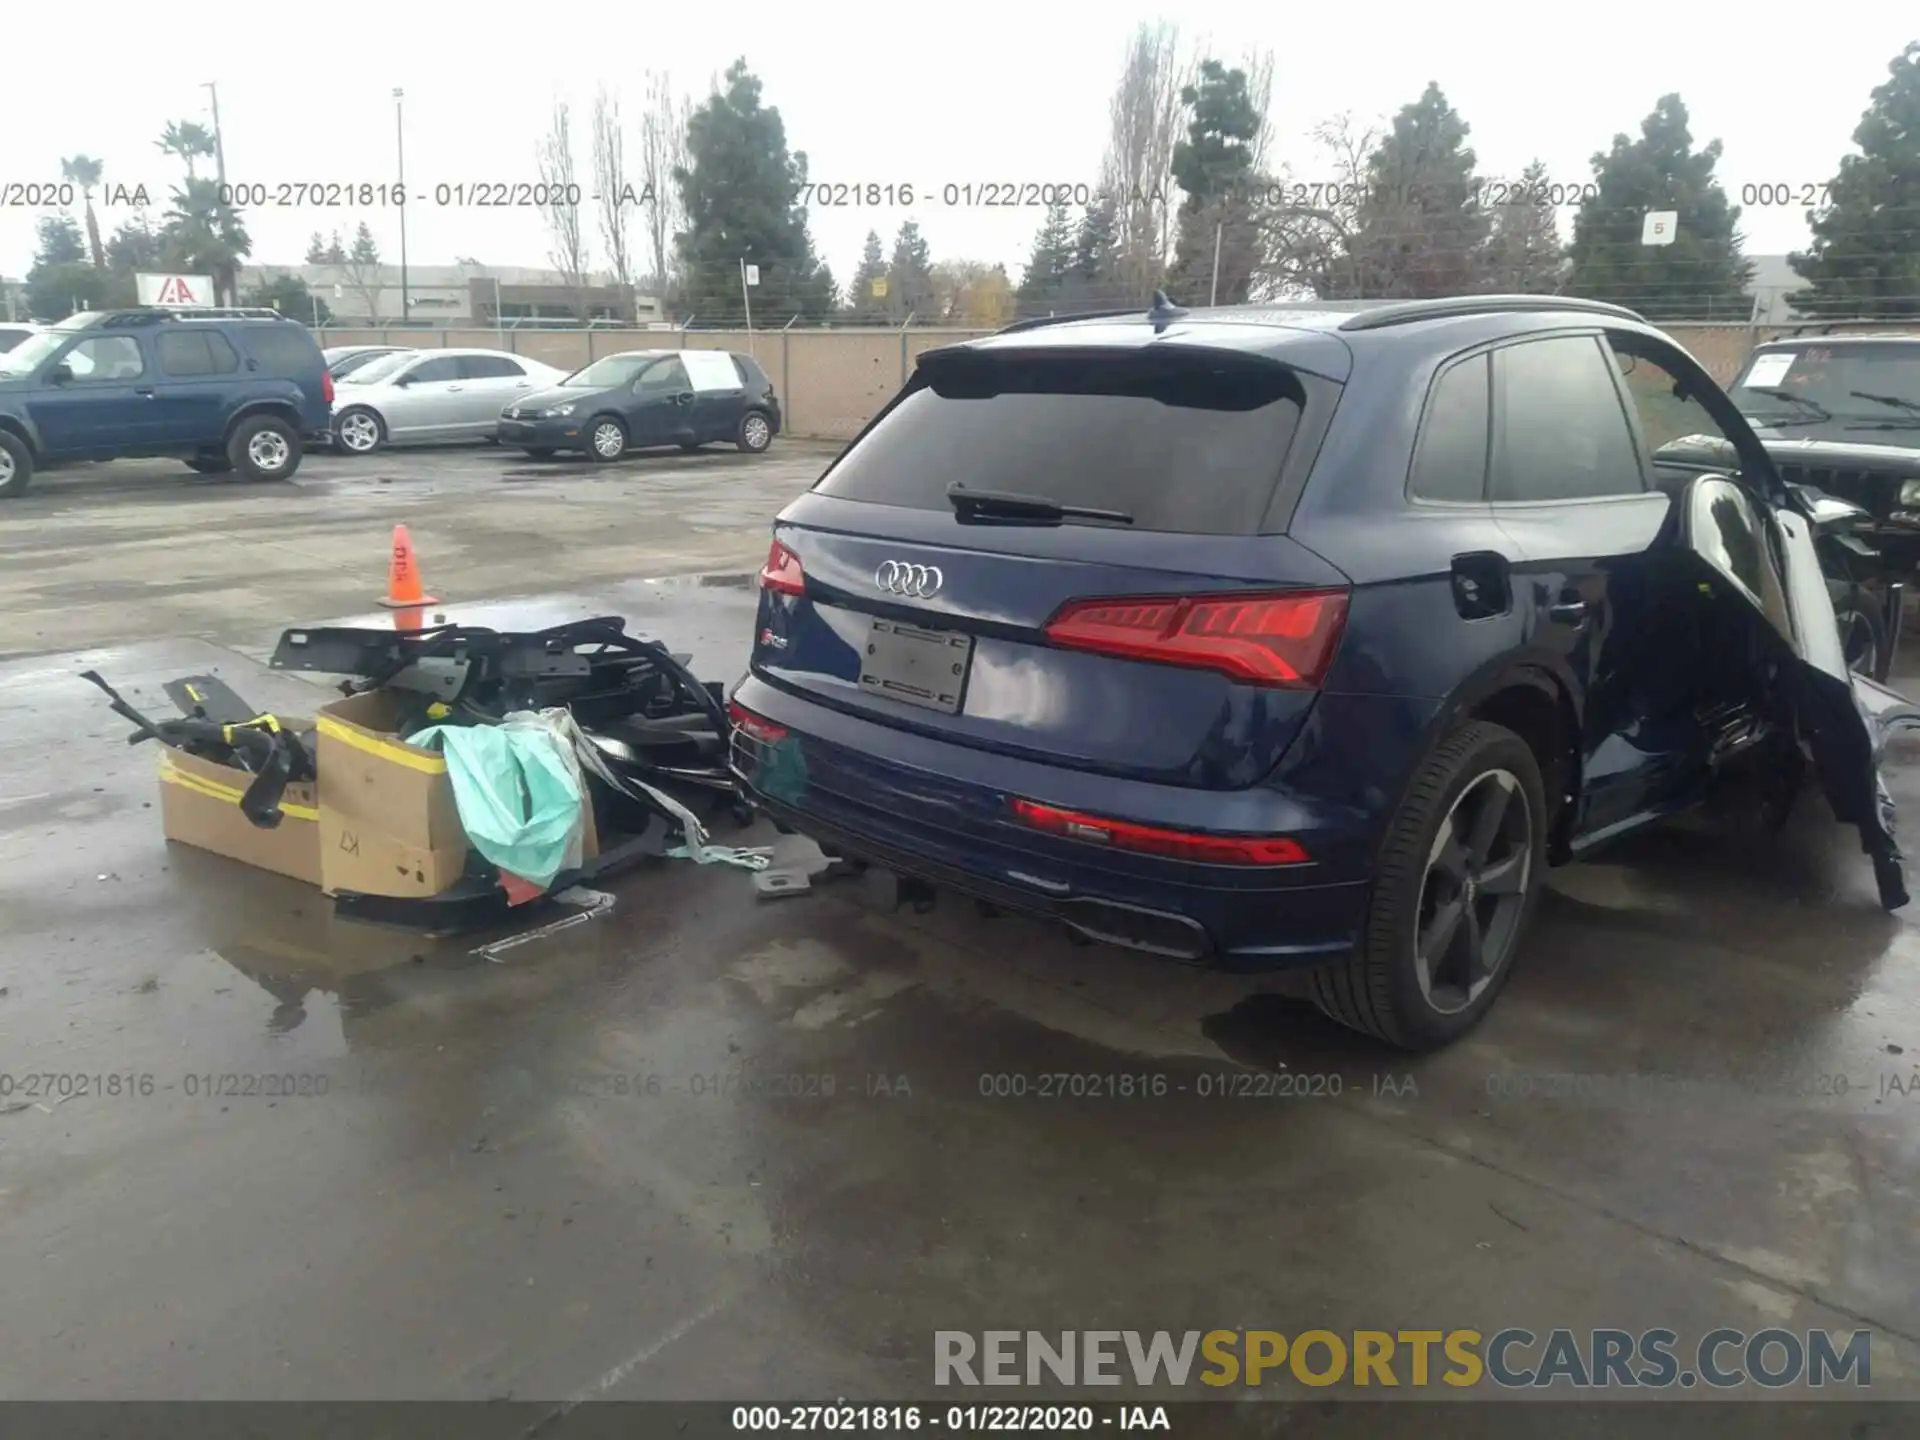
897, 577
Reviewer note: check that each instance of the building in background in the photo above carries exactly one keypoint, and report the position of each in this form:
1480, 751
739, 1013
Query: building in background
1773, 280
460, 295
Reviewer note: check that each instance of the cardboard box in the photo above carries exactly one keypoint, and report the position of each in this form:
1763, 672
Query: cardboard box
200, 806
388, 822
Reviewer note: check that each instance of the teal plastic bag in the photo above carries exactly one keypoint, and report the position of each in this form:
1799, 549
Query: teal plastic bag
518, 793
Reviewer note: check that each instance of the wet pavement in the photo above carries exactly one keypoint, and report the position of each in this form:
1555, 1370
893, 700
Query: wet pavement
703, 1146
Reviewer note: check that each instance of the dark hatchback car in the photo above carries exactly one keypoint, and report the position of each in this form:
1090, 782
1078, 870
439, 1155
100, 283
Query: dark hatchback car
649, 398
1297, 636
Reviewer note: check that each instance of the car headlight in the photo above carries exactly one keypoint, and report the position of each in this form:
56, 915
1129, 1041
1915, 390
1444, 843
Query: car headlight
561, 410
1909, 493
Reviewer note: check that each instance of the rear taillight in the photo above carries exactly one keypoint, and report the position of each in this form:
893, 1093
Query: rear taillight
1153, 840
782, 573
1284, 639
326, 386
753, 726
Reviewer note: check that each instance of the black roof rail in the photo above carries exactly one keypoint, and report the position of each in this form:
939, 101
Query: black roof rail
1406, 312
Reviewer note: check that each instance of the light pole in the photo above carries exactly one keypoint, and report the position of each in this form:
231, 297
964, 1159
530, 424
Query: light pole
219, 155
400, 140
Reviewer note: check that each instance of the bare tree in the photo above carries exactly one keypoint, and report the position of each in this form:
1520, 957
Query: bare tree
361, 267
1309, 233
663, 149
611, 185
1144, 124
568, 247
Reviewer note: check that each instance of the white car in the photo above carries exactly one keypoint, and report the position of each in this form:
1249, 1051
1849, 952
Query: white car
12, 332
431, 397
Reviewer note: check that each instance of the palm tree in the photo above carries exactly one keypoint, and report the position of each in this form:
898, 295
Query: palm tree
188, 139
84, 171
201, 234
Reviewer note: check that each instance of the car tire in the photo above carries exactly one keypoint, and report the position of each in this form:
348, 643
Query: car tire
606, 437
755, 434
1863, 633
264, 447
210, 464
16, 465
541, 452
359, 431
1480, 780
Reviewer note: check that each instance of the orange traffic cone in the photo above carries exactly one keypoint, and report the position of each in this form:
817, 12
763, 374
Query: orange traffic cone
404, 587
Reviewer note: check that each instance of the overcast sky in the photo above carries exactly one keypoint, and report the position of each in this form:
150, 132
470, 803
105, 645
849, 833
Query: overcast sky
986, 92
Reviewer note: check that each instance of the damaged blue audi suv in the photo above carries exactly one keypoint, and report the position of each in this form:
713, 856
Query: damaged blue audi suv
1300, 635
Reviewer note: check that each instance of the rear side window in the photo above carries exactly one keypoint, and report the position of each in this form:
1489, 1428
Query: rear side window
1184, 441
1450, 460
441, 367
197, 352
1562, 434
490, 367
283, 348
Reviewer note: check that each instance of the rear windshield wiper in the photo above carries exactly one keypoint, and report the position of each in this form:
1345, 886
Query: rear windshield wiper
1816, 412
1003, 505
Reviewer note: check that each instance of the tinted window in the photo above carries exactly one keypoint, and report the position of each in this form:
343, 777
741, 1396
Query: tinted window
1181, 441
195, 352
1562, 434
283, 347
443, 367
1450, 462
490, 367
1665, 414
750, 372
106, 357
666, 377
610, 373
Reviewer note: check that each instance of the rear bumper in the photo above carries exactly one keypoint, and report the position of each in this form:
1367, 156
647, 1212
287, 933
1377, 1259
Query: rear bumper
847, 794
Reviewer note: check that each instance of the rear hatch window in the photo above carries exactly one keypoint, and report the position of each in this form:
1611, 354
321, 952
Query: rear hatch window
1188, 441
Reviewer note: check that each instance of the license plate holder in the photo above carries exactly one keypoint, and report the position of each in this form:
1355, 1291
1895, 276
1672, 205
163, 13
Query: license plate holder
916, 666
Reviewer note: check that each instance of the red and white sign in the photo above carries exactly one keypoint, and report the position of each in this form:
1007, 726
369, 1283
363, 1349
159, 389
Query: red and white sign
175, 289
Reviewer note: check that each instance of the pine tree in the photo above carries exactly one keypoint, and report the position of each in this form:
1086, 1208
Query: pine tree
909, 274
1702, 274
1214, 168
1043, 287
742, 191
1095, 267
1863, 261
1523, 253
863, 306
316, 249
1421, 225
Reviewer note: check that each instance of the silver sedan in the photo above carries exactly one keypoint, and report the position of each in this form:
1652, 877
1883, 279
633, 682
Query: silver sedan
431, 397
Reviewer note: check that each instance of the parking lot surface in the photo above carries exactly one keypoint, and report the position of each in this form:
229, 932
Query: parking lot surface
702, 1146
98, 554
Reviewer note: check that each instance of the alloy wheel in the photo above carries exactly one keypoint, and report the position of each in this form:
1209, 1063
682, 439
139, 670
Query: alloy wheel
608, 442
269, 451
1473, 892
6, 469
359, 433
756, 432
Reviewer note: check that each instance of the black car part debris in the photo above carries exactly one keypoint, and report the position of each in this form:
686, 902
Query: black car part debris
636, 702
256, 743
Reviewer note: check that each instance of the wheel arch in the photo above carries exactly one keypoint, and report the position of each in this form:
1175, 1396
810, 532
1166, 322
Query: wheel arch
278, 409
22, 430
1538, 703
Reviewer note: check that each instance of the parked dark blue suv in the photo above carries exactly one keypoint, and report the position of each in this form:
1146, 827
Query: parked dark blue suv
223, 390
1299, 635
